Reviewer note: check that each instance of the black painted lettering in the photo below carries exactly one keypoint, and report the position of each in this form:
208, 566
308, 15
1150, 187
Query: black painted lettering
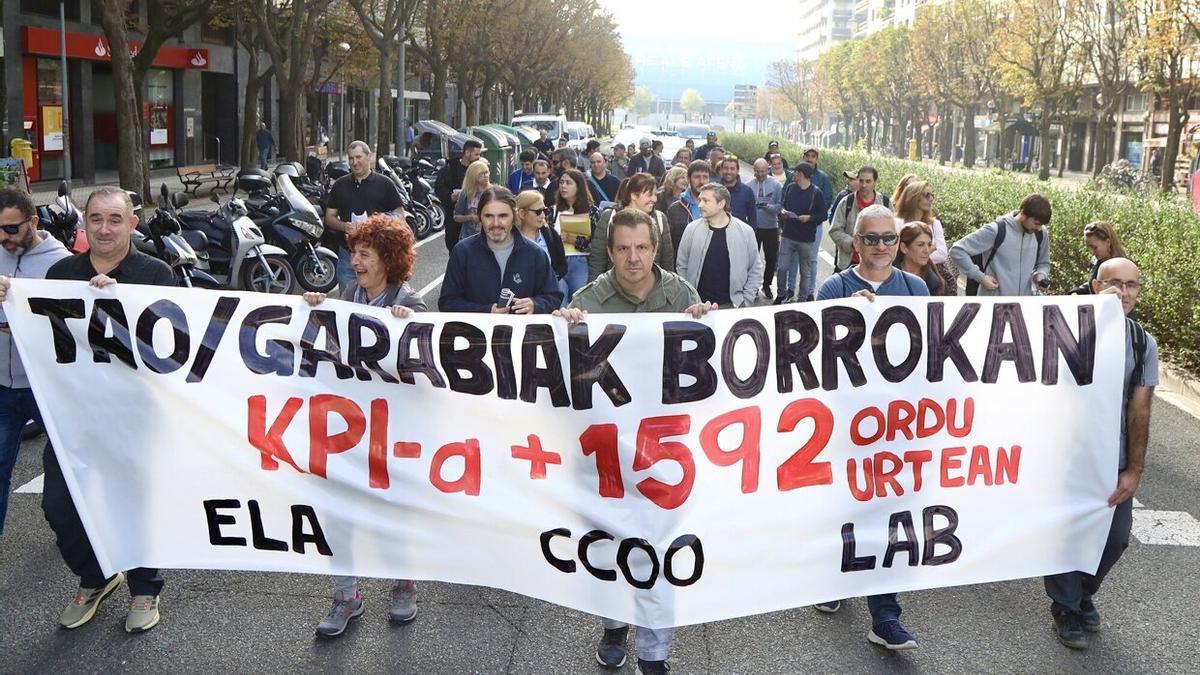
681, 542
678, 362
173, 313
1007, 316
110, 313
364, 358
753, 384
478, 378
945, 344
625, 549
280, 356
216, 520
258, 536
590, 366
539, 338
944, 535
1080, 353
850, 561
217, 325
301, 514
58, 310
561, 564
896, 544
585, 542
896, 314
408, 366
502, 359
844, 349
322, 321
798, 353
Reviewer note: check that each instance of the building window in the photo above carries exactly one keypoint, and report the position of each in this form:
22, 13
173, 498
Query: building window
1136, 103
50, 8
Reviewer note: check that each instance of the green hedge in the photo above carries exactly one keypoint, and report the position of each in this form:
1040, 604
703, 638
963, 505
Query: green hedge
1161, 235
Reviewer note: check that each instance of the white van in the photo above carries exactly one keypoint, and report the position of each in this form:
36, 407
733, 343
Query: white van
555, 125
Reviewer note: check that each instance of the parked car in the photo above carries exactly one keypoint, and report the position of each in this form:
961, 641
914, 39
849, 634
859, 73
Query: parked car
555, 125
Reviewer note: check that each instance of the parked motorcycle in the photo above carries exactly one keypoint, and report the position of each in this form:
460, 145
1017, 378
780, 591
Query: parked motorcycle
416, 182
238, 253
290, 221
417, 215
163, 238
63, 221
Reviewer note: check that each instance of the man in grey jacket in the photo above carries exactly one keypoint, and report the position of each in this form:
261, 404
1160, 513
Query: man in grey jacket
27, 253
845, 215
1012, 255
718, 253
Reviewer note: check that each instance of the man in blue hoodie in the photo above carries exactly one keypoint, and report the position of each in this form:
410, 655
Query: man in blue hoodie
28, 253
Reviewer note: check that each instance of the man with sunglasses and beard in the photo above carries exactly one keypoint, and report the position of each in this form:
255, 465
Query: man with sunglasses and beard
876, 242
28, 253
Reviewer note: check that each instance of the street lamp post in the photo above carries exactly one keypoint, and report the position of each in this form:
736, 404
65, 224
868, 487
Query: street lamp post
66, 102
345, 47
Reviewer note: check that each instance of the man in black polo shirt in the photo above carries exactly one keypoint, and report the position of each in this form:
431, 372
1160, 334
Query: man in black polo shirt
354, 197
109, 222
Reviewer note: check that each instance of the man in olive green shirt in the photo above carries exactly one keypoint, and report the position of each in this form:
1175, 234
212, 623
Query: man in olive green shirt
634, 284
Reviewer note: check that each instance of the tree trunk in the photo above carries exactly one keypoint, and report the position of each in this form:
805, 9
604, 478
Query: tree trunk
1044, 136
131, 146
437, 97
291, 123
387, 78
969, 137
1179, 116
1066, 148
253, 86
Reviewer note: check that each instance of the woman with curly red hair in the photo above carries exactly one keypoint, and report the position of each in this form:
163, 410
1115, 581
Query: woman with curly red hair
382, 256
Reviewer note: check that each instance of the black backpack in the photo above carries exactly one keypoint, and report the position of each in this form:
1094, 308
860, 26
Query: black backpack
1001, 233
1138, 337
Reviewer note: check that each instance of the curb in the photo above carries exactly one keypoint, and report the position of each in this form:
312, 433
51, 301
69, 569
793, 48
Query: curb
1178, 389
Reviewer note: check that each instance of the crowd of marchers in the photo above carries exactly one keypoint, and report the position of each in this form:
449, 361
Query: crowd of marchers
616, 231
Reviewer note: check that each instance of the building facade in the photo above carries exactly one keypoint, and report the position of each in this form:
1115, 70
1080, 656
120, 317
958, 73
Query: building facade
824, 24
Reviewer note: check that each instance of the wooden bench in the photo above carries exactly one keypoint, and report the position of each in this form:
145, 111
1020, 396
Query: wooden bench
195, 176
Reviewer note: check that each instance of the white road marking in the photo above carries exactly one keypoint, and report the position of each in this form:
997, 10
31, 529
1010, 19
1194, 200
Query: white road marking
432, 285
428, 239
1166, 528
1137, 504
33, 487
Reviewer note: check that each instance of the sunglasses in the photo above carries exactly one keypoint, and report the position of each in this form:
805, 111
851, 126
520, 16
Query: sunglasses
538, 211
888, 239
15, 228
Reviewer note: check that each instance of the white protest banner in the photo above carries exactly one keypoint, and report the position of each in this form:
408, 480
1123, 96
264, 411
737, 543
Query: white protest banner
648, 468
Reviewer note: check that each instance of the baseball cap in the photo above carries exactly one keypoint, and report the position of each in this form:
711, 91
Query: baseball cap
644, 142
773, 144
805, 168
811, 151
851, 174
712, 134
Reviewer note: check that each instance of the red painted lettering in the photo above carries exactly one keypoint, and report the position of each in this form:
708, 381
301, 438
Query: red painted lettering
951, 461
269, 442
747, 451
468, 482
321, 444
885, 477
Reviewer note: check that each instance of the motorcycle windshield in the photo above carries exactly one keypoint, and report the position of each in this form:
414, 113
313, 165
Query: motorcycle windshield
297, 201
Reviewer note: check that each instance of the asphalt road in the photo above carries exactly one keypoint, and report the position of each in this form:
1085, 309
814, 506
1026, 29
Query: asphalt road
262, 623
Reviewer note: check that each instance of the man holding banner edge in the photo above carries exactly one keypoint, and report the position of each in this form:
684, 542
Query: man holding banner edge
635, 284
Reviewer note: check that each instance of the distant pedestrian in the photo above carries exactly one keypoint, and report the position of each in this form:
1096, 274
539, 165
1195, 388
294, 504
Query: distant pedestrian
1102, 240
619, 166
573, 199
466, 209
521, 178
449, 182
841, 231
768, 196
638, 193
543, 144
718, 254
773, 149
356, 196
1010, 257
687, 207
710, 142
646, 160
741, 197
802, 214
265, 142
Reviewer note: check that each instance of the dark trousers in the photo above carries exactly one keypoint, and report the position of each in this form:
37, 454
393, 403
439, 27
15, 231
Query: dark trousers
453, 229
883, 608
1073, 591
73, 541
768, 241
17, 406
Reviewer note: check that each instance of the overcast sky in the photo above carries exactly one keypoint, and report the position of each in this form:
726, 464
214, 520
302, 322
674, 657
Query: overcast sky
710, 45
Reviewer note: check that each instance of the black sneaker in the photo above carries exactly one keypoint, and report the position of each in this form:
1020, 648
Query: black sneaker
785, 296
1089, 618
891, 635
828, 607
610, 653
767, 292
1069, 630
653, 667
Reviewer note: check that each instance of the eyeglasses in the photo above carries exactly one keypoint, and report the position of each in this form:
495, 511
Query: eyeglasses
1130, 286
888, 239
16, 227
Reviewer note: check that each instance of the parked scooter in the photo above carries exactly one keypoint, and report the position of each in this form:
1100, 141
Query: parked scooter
417, 215
238, 254
419, 188
290, 221
63, 221
162, 237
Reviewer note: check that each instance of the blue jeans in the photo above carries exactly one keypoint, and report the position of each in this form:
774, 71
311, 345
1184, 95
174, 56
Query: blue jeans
576, 277
813, 262
17, 406
883, 608
345, 273
262, 158
653, 644
797, 267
